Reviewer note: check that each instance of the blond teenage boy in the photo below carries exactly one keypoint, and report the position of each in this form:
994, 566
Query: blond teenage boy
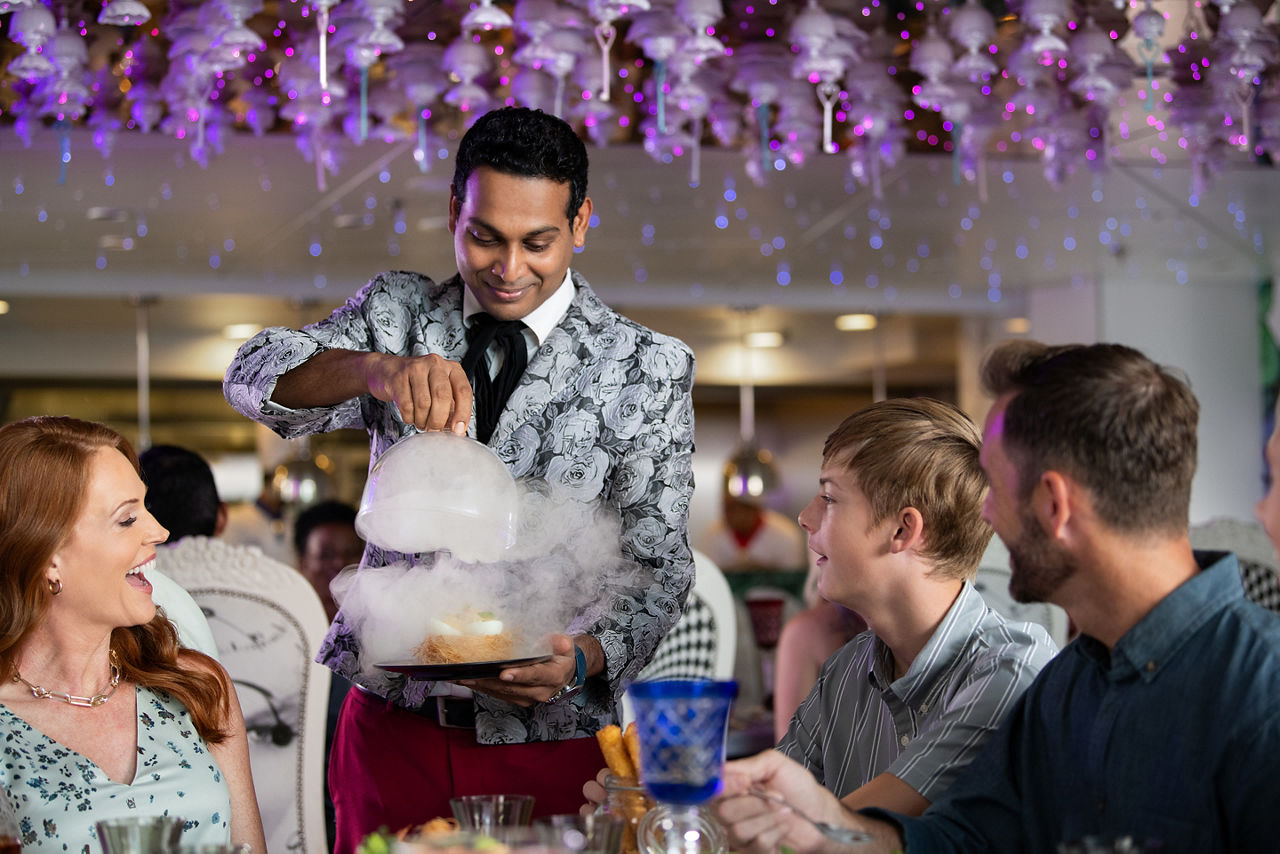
898, 532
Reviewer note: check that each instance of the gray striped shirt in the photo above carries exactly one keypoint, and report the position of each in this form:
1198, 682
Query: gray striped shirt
858, 722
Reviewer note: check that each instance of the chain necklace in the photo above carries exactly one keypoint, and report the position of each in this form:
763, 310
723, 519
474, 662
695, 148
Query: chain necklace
71, 699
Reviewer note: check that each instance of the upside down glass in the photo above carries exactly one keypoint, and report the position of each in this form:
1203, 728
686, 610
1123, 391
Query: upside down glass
484, 813
681, 726
160, 834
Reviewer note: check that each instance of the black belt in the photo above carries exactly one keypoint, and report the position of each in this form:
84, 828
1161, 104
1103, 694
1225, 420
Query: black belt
453, 712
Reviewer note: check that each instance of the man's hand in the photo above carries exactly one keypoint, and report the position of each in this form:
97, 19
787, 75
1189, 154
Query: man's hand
533, 683
595, 793
760, 826
431, 392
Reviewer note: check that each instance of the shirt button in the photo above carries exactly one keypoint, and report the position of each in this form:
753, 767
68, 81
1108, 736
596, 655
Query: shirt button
924, 707
906, 739
1151, 667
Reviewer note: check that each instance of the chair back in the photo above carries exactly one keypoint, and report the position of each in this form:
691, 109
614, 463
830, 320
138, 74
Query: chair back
993, 583
701, 644
1259, 564
268, 623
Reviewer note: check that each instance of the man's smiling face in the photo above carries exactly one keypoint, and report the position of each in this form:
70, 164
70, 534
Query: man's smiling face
512, 241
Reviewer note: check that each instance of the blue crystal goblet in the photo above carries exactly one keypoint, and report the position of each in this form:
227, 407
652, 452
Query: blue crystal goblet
681, 726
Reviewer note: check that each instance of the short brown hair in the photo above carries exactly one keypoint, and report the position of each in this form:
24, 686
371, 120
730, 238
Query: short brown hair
45, 465
921, 453
1108, 417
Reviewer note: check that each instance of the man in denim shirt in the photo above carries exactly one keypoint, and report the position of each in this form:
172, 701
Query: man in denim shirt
1160, 721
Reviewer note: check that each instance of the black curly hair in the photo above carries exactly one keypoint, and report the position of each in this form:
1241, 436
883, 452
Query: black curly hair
321, 513
525, 142
181, 491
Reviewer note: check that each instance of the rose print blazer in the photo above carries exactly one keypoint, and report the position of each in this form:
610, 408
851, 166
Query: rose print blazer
604, 410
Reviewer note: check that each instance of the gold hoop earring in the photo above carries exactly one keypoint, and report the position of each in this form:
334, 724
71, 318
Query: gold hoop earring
55, 586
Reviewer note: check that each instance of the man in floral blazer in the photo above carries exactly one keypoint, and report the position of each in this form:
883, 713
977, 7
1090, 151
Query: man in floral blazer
603, 410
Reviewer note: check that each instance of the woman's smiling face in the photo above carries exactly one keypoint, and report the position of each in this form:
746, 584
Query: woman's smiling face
102, 565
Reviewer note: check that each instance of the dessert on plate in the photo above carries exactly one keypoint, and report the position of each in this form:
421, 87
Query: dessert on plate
467, 636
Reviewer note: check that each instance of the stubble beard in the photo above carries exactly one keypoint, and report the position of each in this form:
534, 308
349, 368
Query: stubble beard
1039, 567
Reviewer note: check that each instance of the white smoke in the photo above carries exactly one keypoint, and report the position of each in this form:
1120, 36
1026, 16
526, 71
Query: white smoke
562, 572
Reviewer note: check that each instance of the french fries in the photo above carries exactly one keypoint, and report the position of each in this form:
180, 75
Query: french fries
632, 743
628, 801
615, 753
621, 750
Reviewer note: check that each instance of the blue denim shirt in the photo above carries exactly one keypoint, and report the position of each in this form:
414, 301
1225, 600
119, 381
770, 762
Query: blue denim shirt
1174, 736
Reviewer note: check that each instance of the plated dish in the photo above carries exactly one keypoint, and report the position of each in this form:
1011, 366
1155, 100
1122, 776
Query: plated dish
458, 670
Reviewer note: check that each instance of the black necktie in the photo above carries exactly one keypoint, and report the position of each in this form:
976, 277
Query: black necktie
491, 394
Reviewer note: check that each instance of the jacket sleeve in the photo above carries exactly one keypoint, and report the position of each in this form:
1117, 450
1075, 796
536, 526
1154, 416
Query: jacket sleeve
377, 319
653, 485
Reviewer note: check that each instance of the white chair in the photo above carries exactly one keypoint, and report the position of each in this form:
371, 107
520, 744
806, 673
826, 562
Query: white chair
702, 643
268, 623
993, 583
1259, 563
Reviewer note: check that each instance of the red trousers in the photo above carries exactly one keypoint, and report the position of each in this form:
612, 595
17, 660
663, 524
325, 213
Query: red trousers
390, 767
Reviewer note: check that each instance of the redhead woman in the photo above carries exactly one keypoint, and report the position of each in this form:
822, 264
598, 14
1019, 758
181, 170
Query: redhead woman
103, 714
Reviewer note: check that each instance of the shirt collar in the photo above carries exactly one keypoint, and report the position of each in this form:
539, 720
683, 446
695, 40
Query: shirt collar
947, 642
541, 320
1154, 639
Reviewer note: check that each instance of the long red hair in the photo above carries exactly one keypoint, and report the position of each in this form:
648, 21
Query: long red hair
45, 464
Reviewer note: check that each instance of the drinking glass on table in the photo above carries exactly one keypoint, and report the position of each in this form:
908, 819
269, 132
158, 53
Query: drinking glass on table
483, 813
586, 834
627, 800
454, 842
765, 606
681, 726
157, 834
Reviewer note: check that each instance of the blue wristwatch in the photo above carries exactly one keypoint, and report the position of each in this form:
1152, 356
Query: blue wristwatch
579, 676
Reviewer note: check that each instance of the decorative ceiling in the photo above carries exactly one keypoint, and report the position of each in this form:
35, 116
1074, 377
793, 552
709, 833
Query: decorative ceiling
975, 152
779, 82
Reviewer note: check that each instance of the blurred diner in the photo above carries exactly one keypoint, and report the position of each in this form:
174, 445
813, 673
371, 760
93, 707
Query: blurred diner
751, 536
326, 542
262, 522
807, 640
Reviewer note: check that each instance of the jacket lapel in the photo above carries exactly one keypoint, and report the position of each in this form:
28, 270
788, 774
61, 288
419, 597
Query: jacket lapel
565, 354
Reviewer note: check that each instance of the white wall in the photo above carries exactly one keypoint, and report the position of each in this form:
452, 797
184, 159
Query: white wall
1211, 333
794, 434
1208, 331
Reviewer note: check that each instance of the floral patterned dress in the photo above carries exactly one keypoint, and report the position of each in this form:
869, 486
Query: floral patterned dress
60, 795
